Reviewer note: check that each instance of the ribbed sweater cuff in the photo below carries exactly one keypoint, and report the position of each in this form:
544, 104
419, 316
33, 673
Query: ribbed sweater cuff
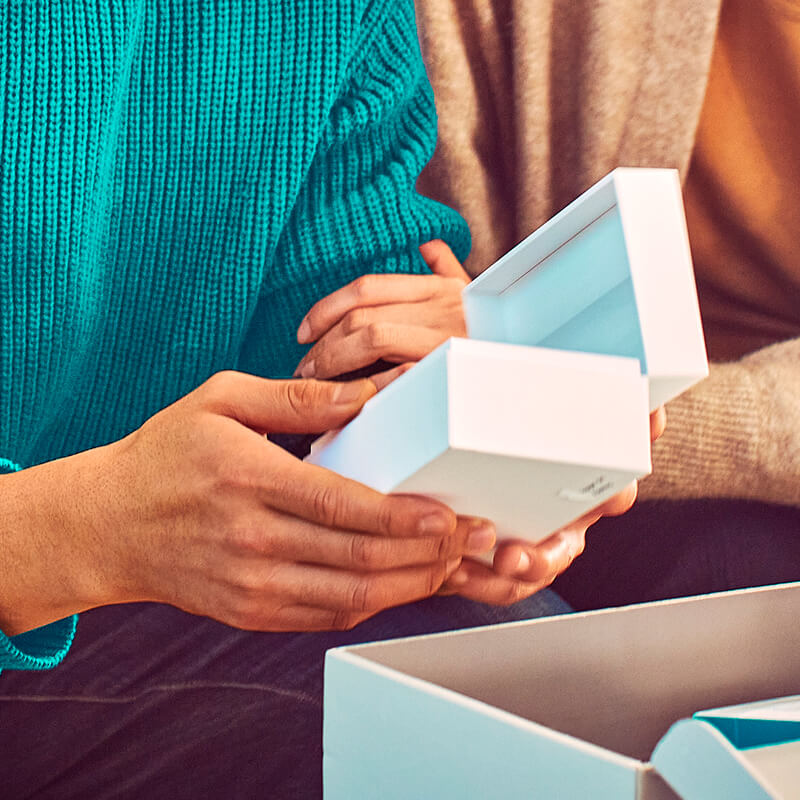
42, 648
6, 466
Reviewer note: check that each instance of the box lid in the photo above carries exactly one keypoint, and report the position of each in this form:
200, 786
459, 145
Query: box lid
611, 273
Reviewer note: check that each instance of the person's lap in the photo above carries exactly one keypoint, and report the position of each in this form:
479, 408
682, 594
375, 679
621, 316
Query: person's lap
155, 703
664, 549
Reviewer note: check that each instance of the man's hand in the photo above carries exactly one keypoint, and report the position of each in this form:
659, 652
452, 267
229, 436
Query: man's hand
397, 318
198, 509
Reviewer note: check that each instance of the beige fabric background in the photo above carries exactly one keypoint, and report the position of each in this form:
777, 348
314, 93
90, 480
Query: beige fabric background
538, 99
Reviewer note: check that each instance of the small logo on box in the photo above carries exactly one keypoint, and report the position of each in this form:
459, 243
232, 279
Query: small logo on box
598, 488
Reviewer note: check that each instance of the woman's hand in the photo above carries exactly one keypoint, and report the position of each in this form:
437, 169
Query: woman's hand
198, 509
396, 318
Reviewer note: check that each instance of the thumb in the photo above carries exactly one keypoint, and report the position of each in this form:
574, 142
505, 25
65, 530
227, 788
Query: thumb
287, 406
441, 260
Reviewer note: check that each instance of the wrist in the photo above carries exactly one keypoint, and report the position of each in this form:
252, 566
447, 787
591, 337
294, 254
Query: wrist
52, 556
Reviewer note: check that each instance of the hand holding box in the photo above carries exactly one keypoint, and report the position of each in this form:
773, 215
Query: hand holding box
575, 334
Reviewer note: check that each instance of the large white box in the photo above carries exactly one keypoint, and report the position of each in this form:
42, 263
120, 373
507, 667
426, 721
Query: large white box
568, 707
574, 334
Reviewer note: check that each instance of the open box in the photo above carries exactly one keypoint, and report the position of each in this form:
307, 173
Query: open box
541, 414
567, 707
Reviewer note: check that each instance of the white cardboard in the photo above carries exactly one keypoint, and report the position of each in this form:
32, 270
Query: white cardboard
611, 273
527, 437
567, 707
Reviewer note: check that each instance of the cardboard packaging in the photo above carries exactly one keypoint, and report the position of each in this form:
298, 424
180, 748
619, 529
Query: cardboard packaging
593, 705
575, 334
527, 437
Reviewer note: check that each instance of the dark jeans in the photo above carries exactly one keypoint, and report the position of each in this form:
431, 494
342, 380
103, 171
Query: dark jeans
154, 703
675, 549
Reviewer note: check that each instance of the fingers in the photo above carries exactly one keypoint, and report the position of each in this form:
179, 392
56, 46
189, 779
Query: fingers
358, 593
286, 538
540, 563
325, 498
307, 597
270, 406
658, 423
519, 569
394, 342
442, 261
480, 583
367, 291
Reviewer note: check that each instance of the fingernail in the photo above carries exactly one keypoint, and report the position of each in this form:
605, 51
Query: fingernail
304, 332
434, 524
307, 370
524, 562
346, 394
481, 538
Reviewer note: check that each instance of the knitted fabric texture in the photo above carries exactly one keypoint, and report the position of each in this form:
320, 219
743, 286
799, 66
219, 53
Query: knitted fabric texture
179, 183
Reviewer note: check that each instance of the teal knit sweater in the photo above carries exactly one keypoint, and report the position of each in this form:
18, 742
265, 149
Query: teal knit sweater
179, 181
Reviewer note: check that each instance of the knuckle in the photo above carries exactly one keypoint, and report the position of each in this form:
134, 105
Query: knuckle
445, 547
219, 384
302, 395
248, 539
434, 580
366, 553
246, 615
385, 518
249, 586
325, 504
357, 551
353, 320
361, 596
515, 592
378, 335
362, 287
456, 285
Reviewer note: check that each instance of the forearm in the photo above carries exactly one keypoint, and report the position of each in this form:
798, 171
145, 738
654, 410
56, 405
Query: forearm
736, 434
48, 559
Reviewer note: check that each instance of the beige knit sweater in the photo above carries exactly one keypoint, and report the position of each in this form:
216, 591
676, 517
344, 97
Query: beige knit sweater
537, 100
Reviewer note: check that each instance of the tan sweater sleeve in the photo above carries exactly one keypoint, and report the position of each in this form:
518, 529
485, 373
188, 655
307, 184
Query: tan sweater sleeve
736, 434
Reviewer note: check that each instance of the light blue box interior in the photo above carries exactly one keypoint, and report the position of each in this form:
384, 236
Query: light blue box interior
579, 297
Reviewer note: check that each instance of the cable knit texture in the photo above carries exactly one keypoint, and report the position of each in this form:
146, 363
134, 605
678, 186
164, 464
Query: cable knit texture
179, 182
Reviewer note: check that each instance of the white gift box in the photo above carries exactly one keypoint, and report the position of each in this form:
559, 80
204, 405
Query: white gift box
527, 437
593, 705
543, 413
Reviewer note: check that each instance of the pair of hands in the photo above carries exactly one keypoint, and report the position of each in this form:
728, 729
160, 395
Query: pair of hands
198, 509
400, 319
